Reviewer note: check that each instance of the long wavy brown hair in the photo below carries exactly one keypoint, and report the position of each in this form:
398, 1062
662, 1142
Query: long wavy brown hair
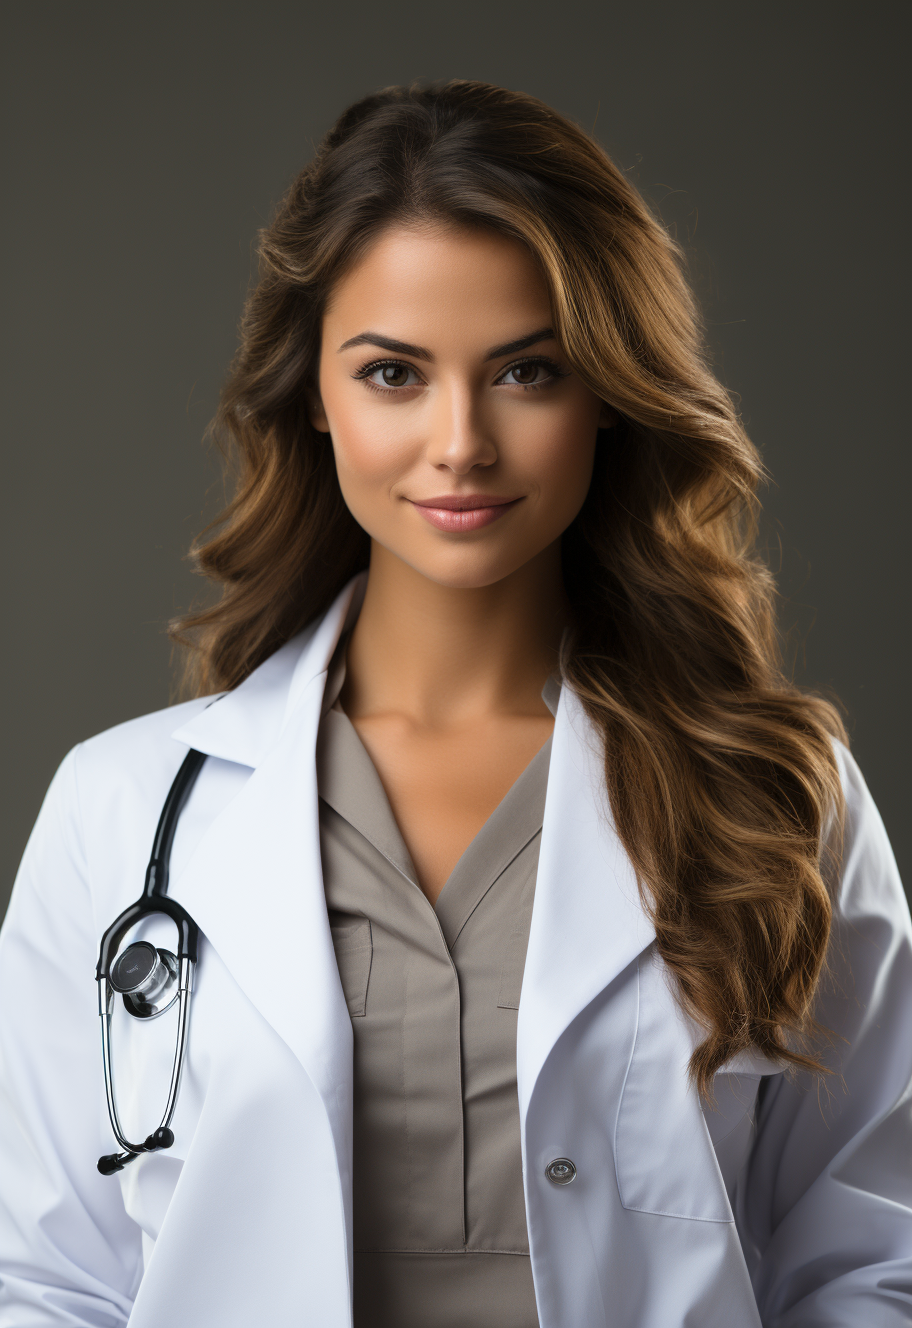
720, 772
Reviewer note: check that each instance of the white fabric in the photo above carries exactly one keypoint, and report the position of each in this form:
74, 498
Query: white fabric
677, 1217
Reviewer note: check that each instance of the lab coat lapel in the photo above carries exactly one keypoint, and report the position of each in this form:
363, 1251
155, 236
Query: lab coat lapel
588, 922
254, 883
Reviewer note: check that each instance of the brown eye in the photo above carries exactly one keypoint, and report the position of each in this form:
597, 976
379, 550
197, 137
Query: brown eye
389, 375
394, 375
532, 373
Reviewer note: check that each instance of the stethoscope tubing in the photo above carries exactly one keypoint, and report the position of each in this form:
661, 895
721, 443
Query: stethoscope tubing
153, 1141
154, 896
153, 901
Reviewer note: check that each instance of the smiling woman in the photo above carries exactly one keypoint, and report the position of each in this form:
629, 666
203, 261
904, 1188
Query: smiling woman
528, 887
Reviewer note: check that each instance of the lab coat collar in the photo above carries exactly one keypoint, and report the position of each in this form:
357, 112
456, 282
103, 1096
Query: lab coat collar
247, 722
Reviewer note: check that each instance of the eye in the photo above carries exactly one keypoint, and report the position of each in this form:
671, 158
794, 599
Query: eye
531, 373
388, 375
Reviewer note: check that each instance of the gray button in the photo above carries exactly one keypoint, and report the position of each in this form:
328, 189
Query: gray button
561, 1171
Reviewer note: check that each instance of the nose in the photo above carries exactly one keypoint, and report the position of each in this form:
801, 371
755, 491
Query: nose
459, 440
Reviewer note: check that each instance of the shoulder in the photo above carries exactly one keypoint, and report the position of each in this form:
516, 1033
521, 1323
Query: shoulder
138, 755
135, 742
136, 750
860, 849
102, 806
857, 795
106, 798
870, 953
109, 788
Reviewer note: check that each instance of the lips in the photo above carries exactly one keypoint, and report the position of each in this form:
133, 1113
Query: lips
464, 512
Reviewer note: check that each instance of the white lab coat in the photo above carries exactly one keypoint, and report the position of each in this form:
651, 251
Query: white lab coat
678, 1215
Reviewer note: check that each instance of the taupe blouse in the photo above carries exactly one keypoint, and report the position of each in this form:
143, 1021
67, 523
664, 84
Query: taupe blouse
433, 991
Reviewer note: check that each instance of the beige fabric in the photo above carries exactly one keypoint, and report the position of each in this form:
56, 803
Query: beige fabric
439, 1216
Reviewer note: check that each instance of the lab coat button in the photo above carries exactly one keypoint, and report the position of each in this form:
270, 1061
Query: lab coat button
561, 1171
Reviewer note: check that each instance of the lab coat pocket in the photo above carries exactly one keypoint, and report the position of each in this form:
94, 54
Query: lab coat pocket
354, 951
663, 1151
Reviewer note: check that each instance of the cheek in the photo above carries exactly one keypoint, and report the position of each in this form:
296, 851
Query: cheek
372, 450
557, 452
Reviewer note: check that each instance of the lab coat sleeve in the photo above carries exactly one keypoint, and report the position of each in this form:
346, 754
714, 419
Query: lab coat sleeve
826, 1209
69, 1254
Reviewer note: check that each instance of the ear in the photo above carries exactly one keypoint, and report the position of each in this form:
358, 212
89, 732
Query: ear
608, 417
316, 414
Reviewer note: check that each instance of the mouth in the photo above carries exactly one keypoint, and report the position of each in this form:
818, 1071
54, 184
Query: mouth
464, 512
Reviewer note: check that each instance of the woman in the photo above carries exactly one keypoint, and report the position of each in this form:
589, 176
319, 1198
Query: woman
553, 967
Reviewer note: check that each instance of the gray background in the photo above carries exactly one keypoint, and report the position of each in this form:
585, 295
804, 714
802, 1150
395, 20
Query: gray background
148, 143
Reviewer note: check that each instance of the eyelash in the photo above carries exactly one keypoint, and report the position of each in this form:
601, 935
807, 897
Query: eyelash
555, 371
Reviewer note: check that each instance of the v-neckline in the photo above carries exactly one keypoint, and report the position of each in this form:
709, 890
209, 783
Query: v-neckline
350, 783
359, 796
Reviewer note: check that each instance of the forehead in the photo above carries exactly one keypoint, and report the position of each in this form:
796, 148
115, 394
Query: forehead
453, 286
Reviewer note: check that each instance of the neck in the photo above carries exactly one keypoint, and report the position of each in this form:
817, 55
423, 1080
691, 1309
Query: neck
443, 656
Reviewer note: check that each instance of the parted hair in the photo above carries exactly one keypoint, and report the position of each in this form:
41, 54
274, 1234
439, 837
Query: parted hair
720, 772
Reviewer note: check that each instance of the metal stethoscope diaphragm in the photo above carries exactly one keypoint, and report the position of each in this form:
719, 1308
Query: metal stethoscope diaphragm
150, 980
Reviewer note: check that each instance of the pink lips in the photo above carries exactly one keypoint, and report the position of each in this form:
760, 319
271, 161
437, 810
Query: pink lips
460, 512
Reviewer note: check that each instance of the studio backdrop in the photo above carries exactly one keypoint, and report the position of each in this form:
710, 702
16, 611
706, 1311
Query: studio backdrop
147, 145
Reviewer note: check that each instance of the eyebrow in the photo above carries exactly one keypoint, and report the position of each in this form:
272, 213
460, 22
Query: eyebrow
419, 353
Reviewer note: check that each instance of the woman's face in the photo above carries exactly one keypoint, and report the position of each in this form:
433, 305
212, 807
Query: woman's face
463, 441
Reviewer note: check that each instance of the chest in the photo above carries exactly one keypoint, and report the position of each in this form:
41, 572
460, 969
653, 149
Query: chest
444, 785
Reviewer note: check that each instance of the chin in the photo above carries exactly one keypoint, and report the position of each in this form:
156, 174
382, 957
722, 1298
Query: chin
471, 565
467, 573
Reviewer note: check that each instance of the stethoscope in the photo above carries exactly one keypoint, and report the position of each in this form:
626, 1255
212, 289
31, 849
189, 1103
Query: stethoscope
149, 979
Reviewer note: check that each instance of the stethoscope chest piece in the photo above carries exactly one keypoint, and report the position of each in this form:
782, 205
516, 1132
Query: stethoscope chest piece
146, 978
